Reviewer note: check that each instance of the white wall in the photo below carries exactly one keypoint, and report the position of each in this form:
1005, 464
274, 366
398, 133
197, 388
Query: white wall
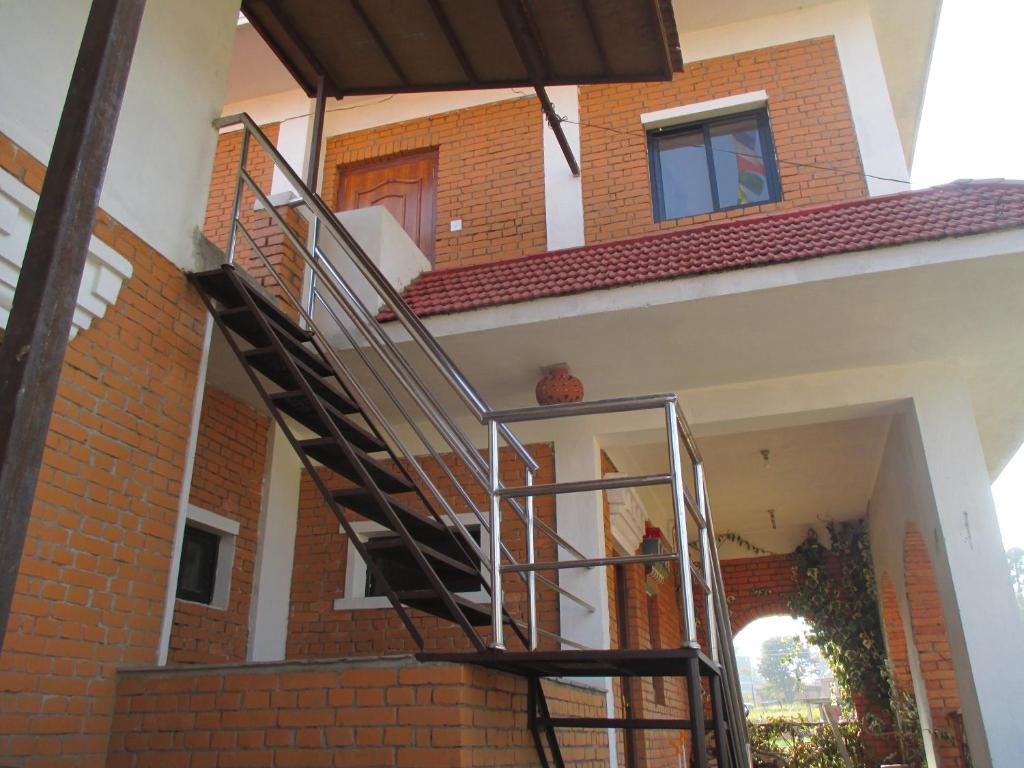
159, 171
275, 551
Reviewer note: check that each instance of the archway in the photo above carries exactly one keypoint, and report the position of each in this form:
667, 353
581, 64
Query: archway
782, 674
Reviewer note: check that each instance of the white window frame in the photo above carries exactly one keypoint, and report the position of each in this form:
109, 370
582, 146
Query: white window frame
226, 530
355, 569
704, 110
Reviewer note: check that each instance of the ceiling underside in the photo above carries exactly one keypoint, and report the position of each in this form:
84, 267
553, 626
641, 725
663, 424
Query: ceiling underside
401, 46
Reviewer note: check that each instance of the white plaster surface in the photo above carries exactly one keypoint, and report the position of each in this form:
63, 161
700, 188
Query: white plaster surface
105, 270
159, 170
275, 551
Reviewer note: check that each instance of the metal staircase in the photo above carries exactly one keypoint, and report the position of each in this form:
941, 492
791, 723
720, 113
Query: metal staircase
361, 416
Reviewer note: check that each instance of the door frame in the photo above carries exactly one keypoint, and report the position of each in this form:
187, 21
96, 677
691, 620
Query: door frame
388, 161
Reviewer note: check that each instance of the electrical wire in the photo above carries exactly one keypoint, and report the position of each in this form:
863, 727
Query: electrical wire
781, 161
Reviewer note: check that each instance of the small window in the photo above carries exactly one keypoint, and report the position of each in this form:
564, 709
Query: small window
716, 165
363, 591
197, 573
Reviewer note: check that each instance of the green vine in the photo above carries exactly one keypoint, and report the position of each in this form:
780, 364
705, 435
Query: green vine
839, 598
840, 601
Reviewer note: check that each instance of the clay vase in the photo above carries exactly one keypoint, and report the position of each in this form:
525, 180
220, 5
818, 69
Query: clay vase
558, 386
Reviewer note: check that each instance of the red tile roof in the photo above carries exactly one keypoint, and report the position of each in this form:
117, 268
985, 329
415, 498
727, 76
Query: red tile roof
953, 210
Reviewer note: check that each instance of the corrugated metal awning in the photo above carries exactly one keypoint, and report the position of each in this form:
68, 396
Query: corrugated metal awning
402, 46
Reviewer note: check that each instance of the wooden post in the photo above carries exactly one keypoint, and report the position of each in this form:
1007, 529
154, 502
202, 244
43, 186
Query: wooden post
32, 351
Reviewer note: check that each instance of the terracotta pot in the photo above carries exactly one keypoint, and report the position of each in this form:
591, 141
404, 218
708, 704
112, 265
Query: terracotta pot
559, 386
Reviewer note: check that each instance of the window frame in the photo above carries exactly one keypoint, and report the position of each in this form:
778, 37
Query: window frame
227, 531
355, 569
657, 134
212, 541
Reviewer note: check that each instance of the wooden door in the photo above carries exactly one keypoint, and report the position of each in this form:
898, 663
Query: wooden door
406, 186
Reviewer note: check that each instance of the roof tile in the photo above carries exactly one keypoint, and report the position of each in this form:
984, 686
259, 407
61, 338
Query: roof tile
953, 210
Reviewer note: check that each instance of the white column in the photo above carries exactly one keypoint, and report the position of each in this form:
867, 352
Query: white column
563, 192
275, 551
293, 143
579, 519
982, 621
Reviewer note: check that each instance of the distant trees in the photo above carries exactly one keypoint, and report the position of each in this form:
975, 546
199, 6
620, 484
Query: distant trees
1015, 558
788, 664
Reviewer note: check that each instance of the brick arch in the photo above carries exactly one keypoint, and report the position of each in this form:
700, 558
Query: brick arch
928, 629
757, 587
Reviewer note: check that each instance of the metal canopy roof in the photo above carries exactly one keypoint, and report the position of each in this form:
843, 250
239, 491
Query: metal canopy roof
401, 46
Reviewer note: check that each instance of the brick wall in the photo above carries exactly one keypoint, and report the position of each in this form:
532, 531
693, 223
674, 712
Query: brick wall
810, 121
228, 480
92, 581
317, 630
757, 587
490, 175
895, 635
268, 236
928, 628
380, 712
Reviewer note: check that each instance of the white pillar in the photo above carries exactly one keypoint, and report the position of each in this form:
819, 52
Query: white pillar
579, 519
563, 192
275, 551
982, 621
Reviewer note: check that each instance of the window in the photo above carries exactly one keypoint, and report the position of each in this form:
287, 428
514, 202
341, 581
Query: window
363, 591
719, 164
401, 573
198, 570
207, 556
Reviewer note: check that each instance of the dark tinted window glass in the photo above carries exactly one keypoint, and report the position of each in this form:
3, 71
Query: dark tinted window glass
198, 568
720, 164
740, 170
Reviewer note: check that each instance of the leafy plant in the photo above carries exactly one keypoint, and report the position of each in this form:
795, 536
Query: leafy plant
839, 599
837, 594
788, 742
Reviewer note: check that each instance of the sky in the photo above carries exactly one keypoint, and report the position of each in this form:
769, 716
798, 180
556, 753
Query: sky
971, 128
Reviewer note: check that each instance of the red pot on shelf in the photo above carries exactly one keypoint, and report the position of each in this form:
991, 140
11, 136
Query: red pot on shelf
558, 386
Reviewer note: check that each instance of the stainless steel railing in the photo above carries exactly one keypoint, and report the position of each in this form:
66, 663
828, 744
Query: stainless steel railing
396, 378
390, 380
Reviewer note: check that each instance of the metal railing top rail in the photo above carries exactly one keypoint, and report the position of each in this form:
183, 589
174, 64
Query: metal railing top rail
412, 324
369, 328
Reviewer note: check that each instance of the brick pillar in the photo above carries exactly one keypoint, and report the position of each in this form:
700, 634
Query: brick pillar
928, 628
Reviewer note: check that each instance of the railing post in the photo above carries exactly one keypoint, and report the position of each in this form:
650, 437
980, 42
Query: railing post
314, 252
705, 559
239, 187
682, 546
497, 612
531, 576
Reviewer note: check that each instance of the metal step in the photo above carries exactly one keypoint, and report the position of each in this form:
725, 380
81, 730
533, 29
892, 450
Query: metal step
361, 502
392, 548
241, 321
296, 404
478, 614
329, 453
269, 362
220, 284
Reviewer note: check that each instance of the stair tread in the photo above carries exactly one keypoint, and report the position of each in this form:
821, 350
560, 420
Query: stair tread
360, 500
426, 600
268, 361
220, 285
296, 404
377, 546
240, 320
329, 453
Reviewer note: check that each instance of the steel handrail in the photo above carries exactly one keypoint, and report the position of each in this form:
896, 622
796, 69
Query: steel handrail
384, 346
413, 325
